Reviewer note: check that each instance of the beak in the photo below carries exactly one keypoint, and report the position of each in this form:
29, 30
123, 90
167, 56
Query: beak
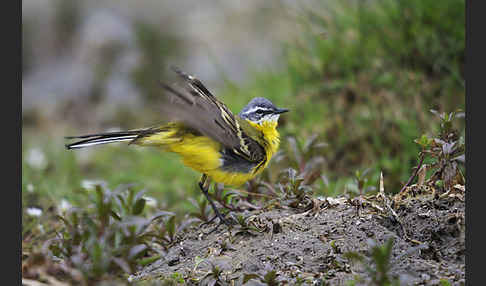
280, 110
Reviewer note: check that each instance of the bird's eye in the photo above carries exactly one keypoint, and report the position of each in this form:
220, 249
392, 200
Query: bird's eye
260, 111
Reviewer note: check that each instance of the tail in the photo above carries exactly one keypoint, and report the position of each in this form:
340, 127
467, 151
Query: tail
104, 138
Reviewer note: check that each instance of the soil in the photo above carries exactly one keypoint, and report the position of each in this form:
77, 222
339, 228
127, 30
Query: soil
310, 246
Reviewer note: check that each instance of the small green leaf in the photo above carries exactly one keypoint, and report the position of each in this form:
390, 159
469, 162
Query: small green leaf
439, 183
139, 206
354, 256
270, 277
115, 215
197, 260
444, 282
130, 197
171, 227
99, 194
160, 214
248, 277
423, 141
122, 203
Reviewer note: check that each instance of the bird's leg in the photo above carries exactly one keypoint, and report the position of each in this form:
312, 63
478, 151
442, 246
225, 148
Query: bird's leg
205, 188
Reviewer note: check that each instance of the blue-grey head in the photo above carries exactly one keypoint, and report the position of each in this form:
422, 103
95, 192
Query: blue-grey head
260, 110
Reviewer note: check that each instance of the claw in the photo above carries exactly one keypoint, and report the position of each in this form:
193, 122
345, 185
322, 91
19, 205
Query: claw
211, 220
217, 226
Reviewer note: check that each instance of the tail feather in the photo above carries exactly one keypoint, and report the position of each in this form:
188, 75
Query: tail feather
103, 138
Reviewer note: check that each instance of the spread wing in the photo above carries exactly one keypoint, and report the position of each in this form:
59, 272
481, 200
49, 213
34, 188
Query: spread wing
193, 105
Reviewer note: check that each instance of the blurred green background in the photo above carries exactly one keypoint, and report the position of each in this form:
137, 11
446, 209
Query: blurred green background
359, 76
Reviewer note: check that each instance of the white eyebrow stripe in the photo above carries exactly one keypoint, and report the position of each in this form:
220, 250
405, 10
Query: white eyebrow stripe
254, 109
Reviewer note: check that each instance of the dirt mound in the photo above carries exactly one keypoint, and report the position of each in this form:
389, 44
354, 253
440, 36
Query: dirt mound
311, 247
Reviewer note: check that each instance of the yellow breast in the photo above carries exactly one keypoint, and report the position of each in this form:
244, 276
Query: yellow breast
270, 142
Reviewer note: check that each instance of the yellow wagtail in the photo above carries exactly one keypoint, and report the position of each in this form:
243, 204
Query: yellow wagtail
226, 148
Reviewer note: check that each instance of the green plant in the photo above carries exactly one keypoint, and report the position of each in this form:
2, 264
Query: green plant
377, 263
174, 279
213, 276
444, 282
447, 152
306, 158
362, 184
293, 192
167, 232
270, 278
226, 197
369, 81
246, 225
109, 236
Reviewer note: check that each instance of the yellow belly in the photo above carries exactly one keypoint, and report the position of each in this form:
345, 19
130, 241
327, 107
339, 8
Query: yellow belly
203, 154
230, 178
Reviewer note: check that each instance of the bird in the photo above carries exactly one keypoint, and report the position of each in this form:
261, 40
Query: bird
224, 147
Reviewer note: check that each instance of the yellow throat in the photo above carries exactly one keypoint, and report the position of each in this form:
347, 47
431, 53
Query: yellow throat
271, 139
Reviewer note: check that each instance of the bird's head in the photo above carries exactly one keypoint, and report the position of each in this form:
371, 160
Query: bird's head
261, 110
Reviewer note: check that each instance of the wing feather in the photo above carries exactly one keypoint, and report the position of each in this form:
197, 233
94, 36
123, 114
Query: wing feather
194, 105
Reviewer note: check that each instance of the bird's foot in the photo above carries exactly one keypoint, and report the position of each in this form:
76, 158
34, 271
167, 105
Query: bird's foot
222, 220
